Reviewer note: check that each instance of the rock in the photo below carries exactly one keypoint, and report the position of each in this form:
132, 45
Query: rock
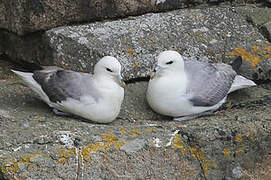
135, 105
26, 16
257, 16
132, 146
36, 159
209, 34
267, 30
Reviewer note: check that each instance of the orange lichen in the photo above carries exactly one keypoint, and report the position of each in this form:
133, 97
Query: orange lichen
177, 142
226, 152
141, 42
123, 130
131, 52
267, 48
119, 145
255, 49
267, 56
238, 138
183, 151
136, 64
250, 57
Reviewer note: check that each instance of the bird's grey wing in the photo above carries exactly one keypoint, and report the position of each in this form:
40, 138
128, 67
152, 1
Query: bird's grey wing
62, 84
208, 84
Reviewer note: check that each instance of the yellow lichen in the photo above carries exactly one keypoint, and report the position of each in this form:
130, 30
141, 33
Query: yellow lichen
177, 142
255, 49
65, 153
250, 57
62, 160
206, 165
85, 152
238, 138
183, 151
109, 138
226, 152
239, 151
131, 52
268, 48
135, 132
119, 145
136, 64
193, 151
267, 56
151, 130
108, 141
11, 165
123, 130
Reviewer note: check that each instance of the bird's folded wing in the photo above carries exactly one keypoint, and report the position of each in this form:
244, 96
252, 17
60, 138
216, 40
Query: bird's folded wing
61, 84
208, 84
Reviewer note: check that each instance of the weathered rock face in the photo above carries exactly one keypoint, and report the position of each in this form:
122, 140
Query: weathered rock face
139, 144
210, 34
25, 16
36, 144
204, 34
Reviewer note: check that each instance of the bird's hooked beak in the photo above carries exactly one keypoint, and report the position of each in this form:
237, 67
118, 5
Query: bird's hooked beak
155, 71
121, 82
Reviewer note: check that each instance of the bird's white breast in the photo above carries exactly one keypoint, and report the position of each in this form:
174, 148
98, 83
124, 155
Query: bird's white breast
105, 110
165, 94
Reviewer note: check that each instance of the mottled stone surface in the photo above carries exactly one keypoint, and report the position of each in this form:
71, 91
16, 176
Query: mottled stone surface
234, 143
36, 144
26, 16
210, 34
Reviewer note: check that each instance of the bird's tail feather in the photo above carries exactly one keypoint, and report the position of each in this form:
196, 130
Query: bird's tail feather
241, 82
25, 66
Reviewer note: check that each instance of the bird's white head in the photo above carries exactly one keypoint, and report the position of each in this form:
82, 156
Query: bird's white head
110, 67
168, 62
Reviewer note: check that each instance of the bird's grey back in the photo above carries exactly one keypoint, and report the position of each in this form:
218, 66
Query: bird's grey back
208, 83
62, 84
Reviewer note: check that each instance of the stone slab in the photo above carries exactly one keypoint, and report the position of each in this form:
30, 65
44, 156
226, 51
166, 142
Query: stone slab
210, 34
26, 16
36, 144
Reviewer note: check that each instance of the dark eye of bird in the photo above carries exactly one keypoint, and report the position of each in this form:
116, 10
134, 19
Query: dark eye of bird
170, 62
109, 70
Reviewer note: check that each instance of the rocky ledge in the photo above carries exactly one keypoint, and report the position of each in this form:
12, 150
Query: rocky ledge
234, 143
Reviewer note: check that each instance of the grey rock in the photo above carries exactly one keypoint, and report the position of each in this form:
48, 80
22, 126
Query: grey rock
267, 30
208, 34
257, 16
204, 34
237, 172
23, 17
36, 159
135, 106
21, 166
133, 146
